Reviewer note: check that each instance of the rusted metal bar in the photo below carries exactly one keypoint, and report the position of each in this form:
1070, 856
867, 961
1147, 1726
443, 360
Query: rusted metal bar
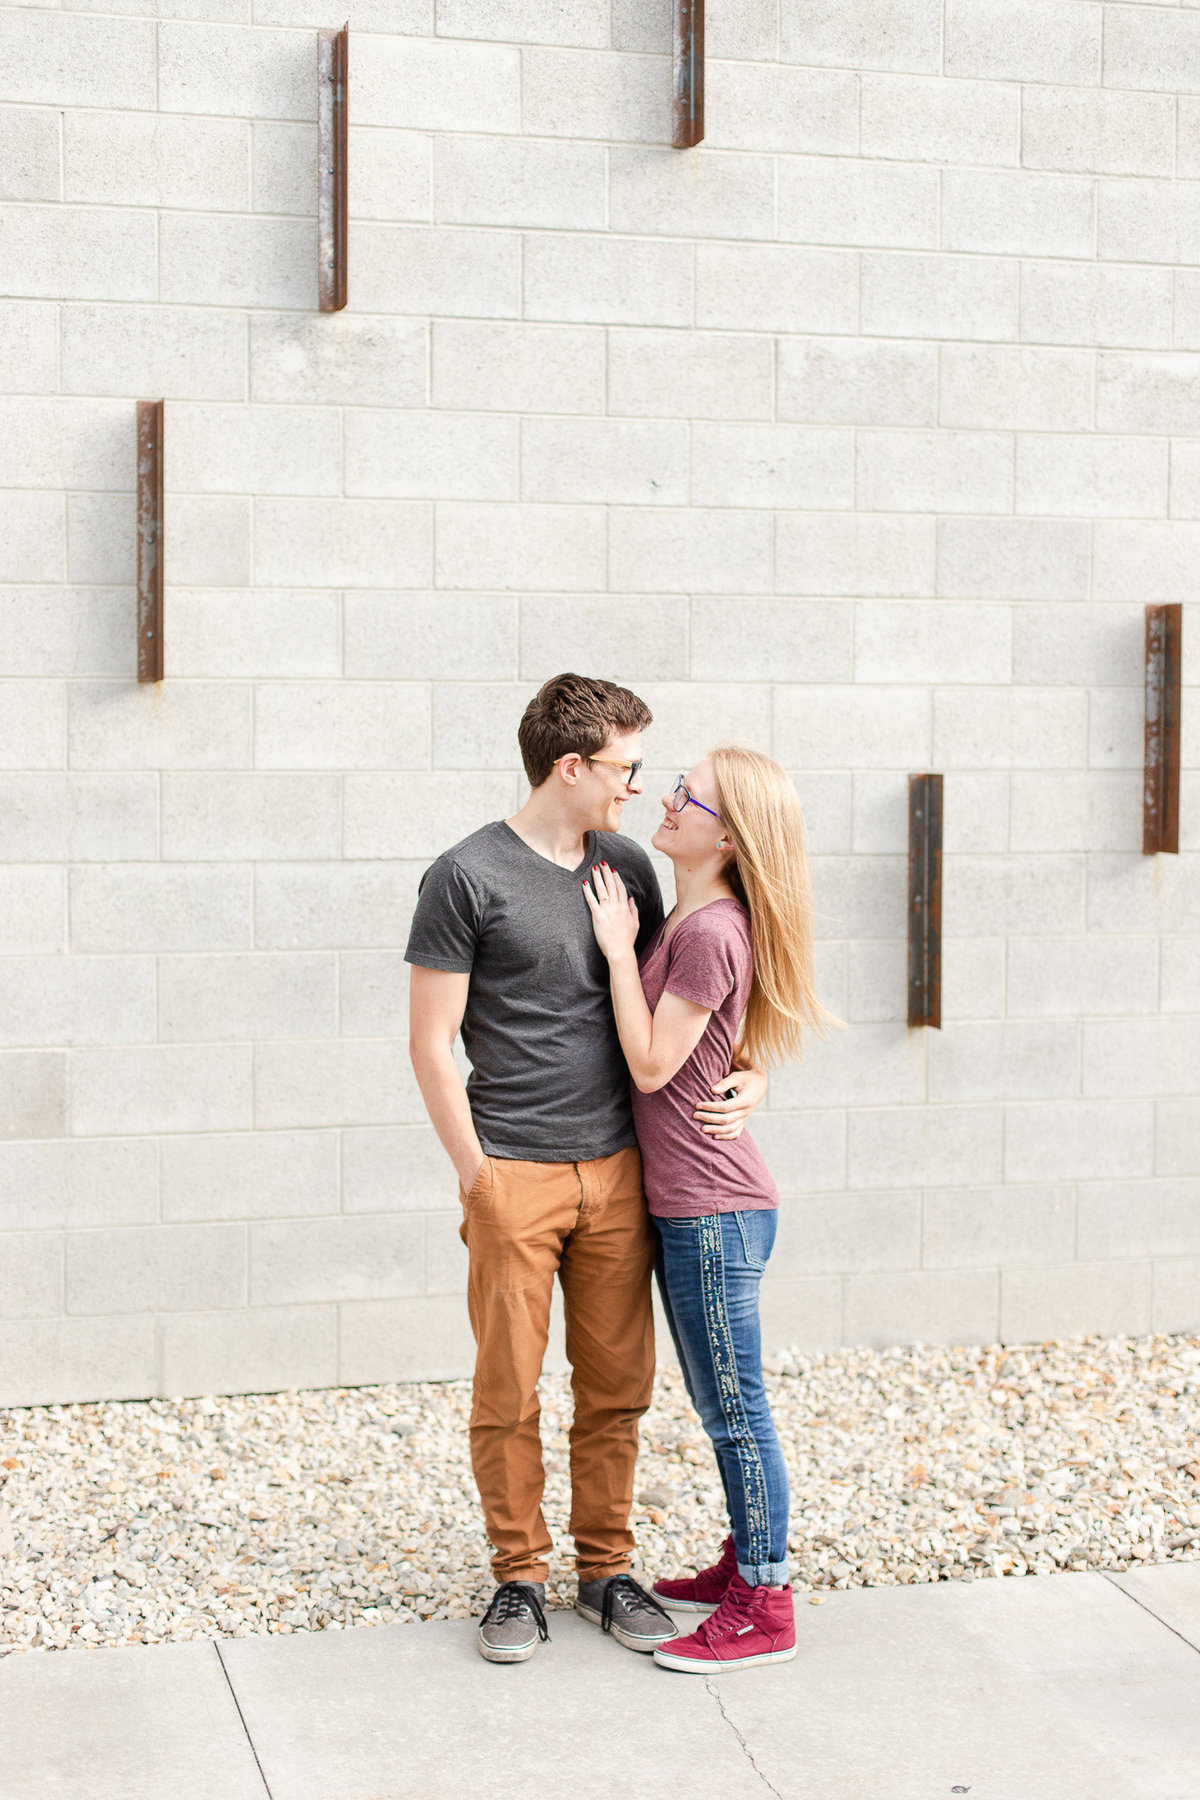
925, 900
333, 73
689, 74
150, 539
1160, 794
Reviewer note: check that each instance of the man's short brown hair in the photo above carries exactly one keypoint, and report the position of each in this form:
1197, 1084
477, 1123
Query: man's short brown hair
574, 712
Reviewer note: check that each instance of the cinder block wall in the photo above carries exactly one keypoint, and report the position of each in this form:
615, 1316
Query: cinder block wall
864, 431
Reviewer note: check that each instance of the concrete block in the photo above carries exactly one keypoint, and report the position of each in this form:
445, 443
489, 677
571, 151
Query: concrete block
155, 906
766, 287
605, 280
118, 725
926, 119
836, 728
253, 449
526, 21
569, 93
1033, 728
28, 348
1131, 560
420, 815
351, 361
156, 1268
1006, 1059
641, 637
1010, 388
518, 368
830, 1233
58, 1361
31, 1274
930, 1306
803, 1149
65, 443
870, 34
50, 1183
209, 538
761, 106
924, 1146
431, 636
1030, 40
1147, 48
877, 982
427, 85
307, 906
258, 1350
342, 543
30, 153
187, 352
810, 640
342, 1082
938, 297
656, 191
305, 1260
408, 16
76, 252
115, 1091
102, 538
252, 632
55, 1000
865, 1065
526, 181
70, 59
425, 1338
147, 159
221, 259
391, 175
77, 631
284, 165
978, 820
973, 976
857, 382
1176, 1284
373, 994
409, 269
1140, 1056
1098, 811
854, 553
1148, 393
33, 532
1078, 1140
1077, 303
33, 1093
249, 1175
689, 551
1012, 559
219, 817
233, 69
445, 1253
699, 375
430, 455
1185, 481
1179, 977
230, 997
78, 817
480, 545
743, 30
1121, 1220
1018, 213
800, 1315
1151, 895
933, 471
1092, 476
980, 1228
639, 25
32, 724
1116, 727
688, 716
1177, 1146
843, 202
895, 641
475, 725
355, 725
771, 465
1096, 131
1149, 221
32, 909
1109, 1299
605, 460
399, 1168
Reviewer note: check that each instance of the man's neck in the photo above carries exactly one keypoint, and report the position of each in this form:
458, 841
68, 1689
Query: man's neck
542, 825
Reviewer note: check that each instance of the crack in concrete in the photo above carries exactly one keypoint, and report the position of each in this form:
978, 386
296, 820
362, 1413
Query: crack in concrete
745, 1748
1157, 1617
216, 1643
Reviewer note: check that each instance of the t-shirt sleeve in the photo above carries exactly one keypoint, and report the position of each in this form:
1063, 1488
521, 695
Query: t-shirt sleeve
446, 920
702, 965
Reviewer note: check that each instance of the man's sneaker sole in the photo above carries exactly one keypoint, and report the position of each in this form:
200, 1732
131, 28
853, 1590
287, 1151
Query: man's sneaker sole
507, 1652
694, 1665
646, 1645
704, 1606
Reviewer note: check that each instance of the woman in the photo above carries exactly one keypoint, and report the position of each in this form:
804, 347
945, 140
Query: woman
730, 967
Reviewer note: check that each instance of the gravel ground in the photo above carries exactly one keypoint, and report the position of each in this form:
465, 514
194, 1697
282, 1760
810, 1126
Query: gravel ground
162, 1520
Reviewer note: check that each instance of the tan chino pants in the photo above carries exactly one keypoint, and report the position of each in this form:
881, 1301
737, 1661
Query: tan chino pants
523, 1222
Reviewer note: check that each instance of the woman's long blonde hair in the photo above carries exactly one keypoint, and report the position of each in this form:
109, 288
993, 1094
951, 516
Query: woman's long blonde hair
760, 810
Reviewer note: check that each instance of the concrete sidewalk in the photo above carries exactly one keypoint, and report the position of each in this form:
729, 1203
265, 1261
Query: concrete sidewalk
1066, 1687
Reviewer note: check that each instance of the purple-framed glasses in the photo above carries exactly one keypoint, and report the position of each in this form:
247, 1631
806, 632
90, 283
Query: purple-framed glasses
680, 797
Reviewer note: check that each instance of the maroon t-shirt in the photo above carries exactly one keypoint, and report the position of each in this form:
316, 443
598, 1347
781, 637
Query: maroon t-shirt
708, 958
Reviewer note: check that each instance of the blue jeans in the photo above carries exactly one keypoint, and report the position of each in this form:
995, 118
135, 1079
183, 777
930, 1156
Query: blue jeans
709, 1270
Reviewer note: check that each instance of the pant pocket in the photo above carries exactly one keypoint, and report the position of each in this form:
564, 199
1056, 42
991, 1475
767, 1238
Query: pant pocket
757, 1233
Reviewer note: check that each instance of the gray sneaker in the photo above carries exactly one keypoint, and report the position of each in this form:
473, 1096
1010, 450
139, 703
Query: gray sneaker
618, 1605
514, 1624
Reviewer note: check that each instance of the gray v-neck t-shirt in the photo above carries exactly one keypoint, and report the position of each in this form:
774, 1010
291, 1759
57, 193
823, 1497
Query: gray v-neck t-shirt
548, 1081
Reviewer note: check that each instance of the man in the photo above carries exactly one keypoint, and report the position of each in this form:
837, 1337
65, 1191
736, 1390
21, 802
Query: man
542, 1138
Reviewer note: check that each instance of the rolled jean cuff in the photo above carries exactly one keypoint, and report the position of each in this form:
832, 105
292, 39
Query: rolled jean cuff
764, 1574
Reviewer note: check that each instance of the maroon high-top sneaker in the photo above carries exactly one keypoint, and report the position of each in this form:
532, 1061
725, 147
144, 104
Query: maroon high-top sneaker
699, 1592
751, 1625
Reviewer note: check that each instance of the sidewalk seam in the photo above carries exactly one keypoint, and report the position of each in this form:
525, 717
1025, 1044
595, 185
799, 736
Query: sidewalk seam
262, 1774
745, 1748
1194, 1648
